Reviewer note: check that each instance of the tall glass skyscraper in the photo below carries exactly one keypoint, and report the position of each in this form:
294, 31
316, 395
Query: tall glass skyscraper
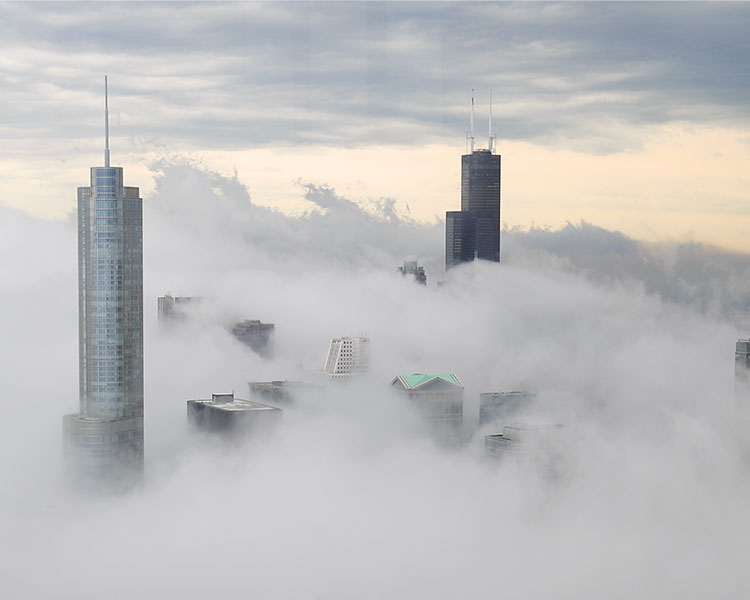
105, 439
474, 231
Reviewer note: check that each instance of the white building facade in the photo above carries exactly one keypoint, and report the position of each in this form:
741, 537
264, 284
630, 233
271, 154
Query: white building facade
347, 356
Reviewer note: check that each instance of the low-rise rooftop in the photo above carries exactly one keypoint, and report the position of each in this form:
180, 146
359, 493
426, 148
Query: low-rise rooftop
227, 402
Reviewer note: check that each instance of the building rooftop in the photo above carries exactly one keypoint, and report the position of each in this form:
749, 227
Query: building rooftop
282, 384
510, 393
418, 380
227, 402
521, 431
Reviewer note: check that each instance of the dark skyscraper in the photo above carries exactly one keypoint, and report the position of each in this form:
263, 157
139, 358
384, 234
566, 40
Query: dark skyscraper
474, 231
105, 439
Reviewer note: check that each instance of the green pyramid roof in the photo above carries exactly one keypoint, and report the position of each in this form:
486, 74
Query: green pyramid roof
417, 379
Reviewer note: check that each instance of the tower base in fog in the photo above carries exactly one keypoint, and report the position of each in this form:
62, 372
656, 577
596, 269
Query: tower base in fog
104, 453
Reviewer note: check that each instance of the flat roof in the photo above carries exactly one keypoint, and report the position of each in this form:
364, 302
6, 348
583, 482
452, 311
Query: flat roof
238, 404
277, 384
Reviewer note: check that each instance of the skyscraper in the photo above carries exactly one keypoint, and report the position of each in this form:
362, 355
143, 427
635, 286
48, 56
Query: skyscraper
474, 231
171, 309
411, 267
742, 371
105, 438
254, 334
223, 413
347, 357
501, 406
440, 399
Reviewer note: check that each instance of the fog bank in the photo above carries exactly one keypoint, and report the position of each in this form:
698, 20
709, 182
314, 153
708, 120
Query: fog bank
643, 493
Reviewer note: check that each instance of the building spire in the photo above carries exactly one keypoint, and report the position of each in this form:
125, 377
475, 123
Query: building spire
471, 133
106, 124
492, 133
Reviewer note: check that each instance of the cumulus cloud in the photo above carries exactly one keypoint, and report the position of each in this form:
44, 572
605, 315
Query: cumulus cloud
707, 278
335, 231
350, 498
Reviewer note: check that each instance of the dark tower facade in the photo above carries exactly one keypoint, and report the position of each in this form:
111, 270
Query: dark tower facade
474, 231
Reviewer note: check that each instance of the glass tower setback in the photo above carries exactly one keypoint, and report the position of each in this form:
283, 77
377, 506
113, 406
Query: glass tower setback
474, 232
106, 436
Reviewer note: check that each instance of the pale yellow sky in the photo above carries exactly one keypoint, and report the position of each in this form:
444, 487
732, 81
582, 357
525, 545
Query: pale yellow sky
683, 183
635, 121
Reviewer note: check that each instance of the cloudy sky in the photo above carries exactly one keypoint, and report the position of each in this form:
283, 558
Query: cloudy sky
631, 116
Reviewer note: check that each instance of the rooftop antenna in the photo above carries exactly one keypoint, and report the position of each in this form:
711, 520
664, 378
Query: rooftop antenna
492, 134
106, 124
471, 134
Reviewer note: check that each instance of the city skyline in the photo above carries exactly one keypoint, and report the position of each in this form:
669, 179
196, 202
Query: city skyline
646, 136
596, 367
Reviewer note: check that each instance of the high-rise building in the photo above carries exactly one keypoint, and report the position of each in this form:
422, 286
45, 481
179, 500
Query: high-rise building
283, 392
440, 399
347, 356
502, 406
230, 416
172, 308
105, 438
540, 443
742, 371
254, 334
411, 267
474, 231
501, 444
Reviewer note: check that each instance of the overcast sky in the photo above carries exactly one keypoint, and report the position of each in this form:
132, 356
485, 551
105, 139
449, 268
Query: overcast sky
631, 116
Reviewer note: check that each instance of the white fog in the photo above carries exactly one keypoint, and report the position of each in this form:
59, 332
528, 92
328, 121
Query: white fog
643, 492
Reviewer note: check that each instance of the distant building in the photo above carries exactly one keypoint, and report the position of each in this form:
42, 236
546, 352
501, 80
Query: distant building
499, 445
347, 357
439, 398
520, 438
254, 334
172, 308
411, 267
474, 231
223, 413
742, 371
497, 406
281, 391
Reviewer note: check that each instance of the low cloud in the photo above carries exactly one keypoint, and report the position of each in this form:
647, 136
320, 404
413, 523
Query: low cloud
350, 498
704, 277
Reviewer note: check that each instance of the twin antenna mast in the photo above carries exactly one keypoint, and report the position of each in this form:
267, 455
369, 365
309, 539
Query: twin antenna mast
106, 124
470, 131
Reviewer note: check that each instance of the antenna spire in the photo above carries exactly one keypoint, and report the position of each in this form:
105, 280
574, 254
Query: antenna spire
106, 124
471, 134
492, 136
